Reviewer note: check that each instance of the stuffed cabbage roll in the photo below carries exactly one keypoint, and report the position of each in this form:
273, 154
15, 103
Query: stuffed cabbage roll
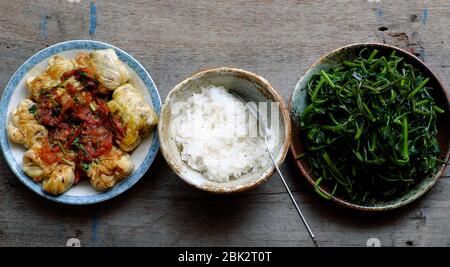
109, 169
136, 116
108, 68
50, 77
56, 177
82, 60
23, 128
60, 180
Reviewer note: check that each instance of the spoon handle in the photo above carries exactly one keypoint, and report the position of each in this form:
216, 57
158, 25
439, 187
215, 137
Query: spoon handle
264, 127
300, 213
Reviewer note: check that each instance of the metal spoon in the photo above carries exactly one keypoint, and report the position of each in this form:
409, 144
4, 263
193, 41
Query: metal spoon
264, 127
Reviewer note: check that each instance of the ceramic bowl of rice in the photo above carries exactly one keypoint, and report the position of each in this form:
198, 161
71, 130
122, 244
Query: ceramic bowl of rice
211, 139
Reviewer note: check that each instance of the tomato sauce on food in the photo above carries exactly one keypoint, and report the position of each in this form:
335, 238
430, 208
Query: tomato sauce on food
79, 122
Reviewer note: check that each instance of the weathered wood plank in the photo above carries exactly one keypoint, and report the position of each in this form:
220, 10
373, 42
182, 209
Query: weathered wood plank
172, 39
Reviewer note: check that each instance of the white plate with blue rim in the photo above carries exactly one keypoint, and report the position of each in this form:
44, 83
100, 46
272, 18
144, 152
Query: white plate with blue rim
15, 91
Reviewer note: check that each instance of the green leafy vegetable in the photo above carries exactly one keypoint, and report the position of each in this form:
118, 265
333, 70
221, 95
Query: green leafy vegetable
370, 128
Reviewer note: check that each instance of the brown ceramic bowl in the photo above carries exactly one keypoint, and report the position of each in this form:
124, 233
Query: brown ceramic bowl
298, 102
252, 88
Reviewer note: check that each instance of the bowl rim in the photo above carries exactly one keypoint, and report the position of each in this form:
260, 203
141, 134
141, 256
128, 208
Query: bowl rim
242, 187
341, 201
24, 69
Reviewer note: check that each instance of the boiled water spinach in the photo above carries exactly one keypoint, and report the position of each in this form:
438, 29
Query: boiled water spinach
370, 127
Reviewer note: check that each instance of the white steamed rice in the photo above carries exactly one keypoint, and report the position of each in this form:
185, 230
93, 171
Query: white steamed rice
211, 131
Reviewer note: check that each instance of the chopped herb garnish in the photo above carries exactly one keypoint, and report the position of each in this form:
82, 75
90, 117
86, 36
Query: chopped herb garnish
61, 147
77, 144
66, 161
92, 106
83, 73
33, 109
85, 166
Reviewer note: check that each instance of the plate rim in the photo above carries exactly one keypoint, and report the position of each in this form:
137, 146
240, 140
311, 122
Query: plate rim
24, 69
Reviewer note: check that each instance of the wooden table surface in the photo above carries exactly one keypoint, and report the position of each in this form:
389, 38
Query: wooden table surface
172, 39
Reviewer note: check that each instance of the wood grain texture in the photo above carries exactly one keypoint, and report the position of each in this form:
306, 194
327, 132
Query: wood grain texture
172, 39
